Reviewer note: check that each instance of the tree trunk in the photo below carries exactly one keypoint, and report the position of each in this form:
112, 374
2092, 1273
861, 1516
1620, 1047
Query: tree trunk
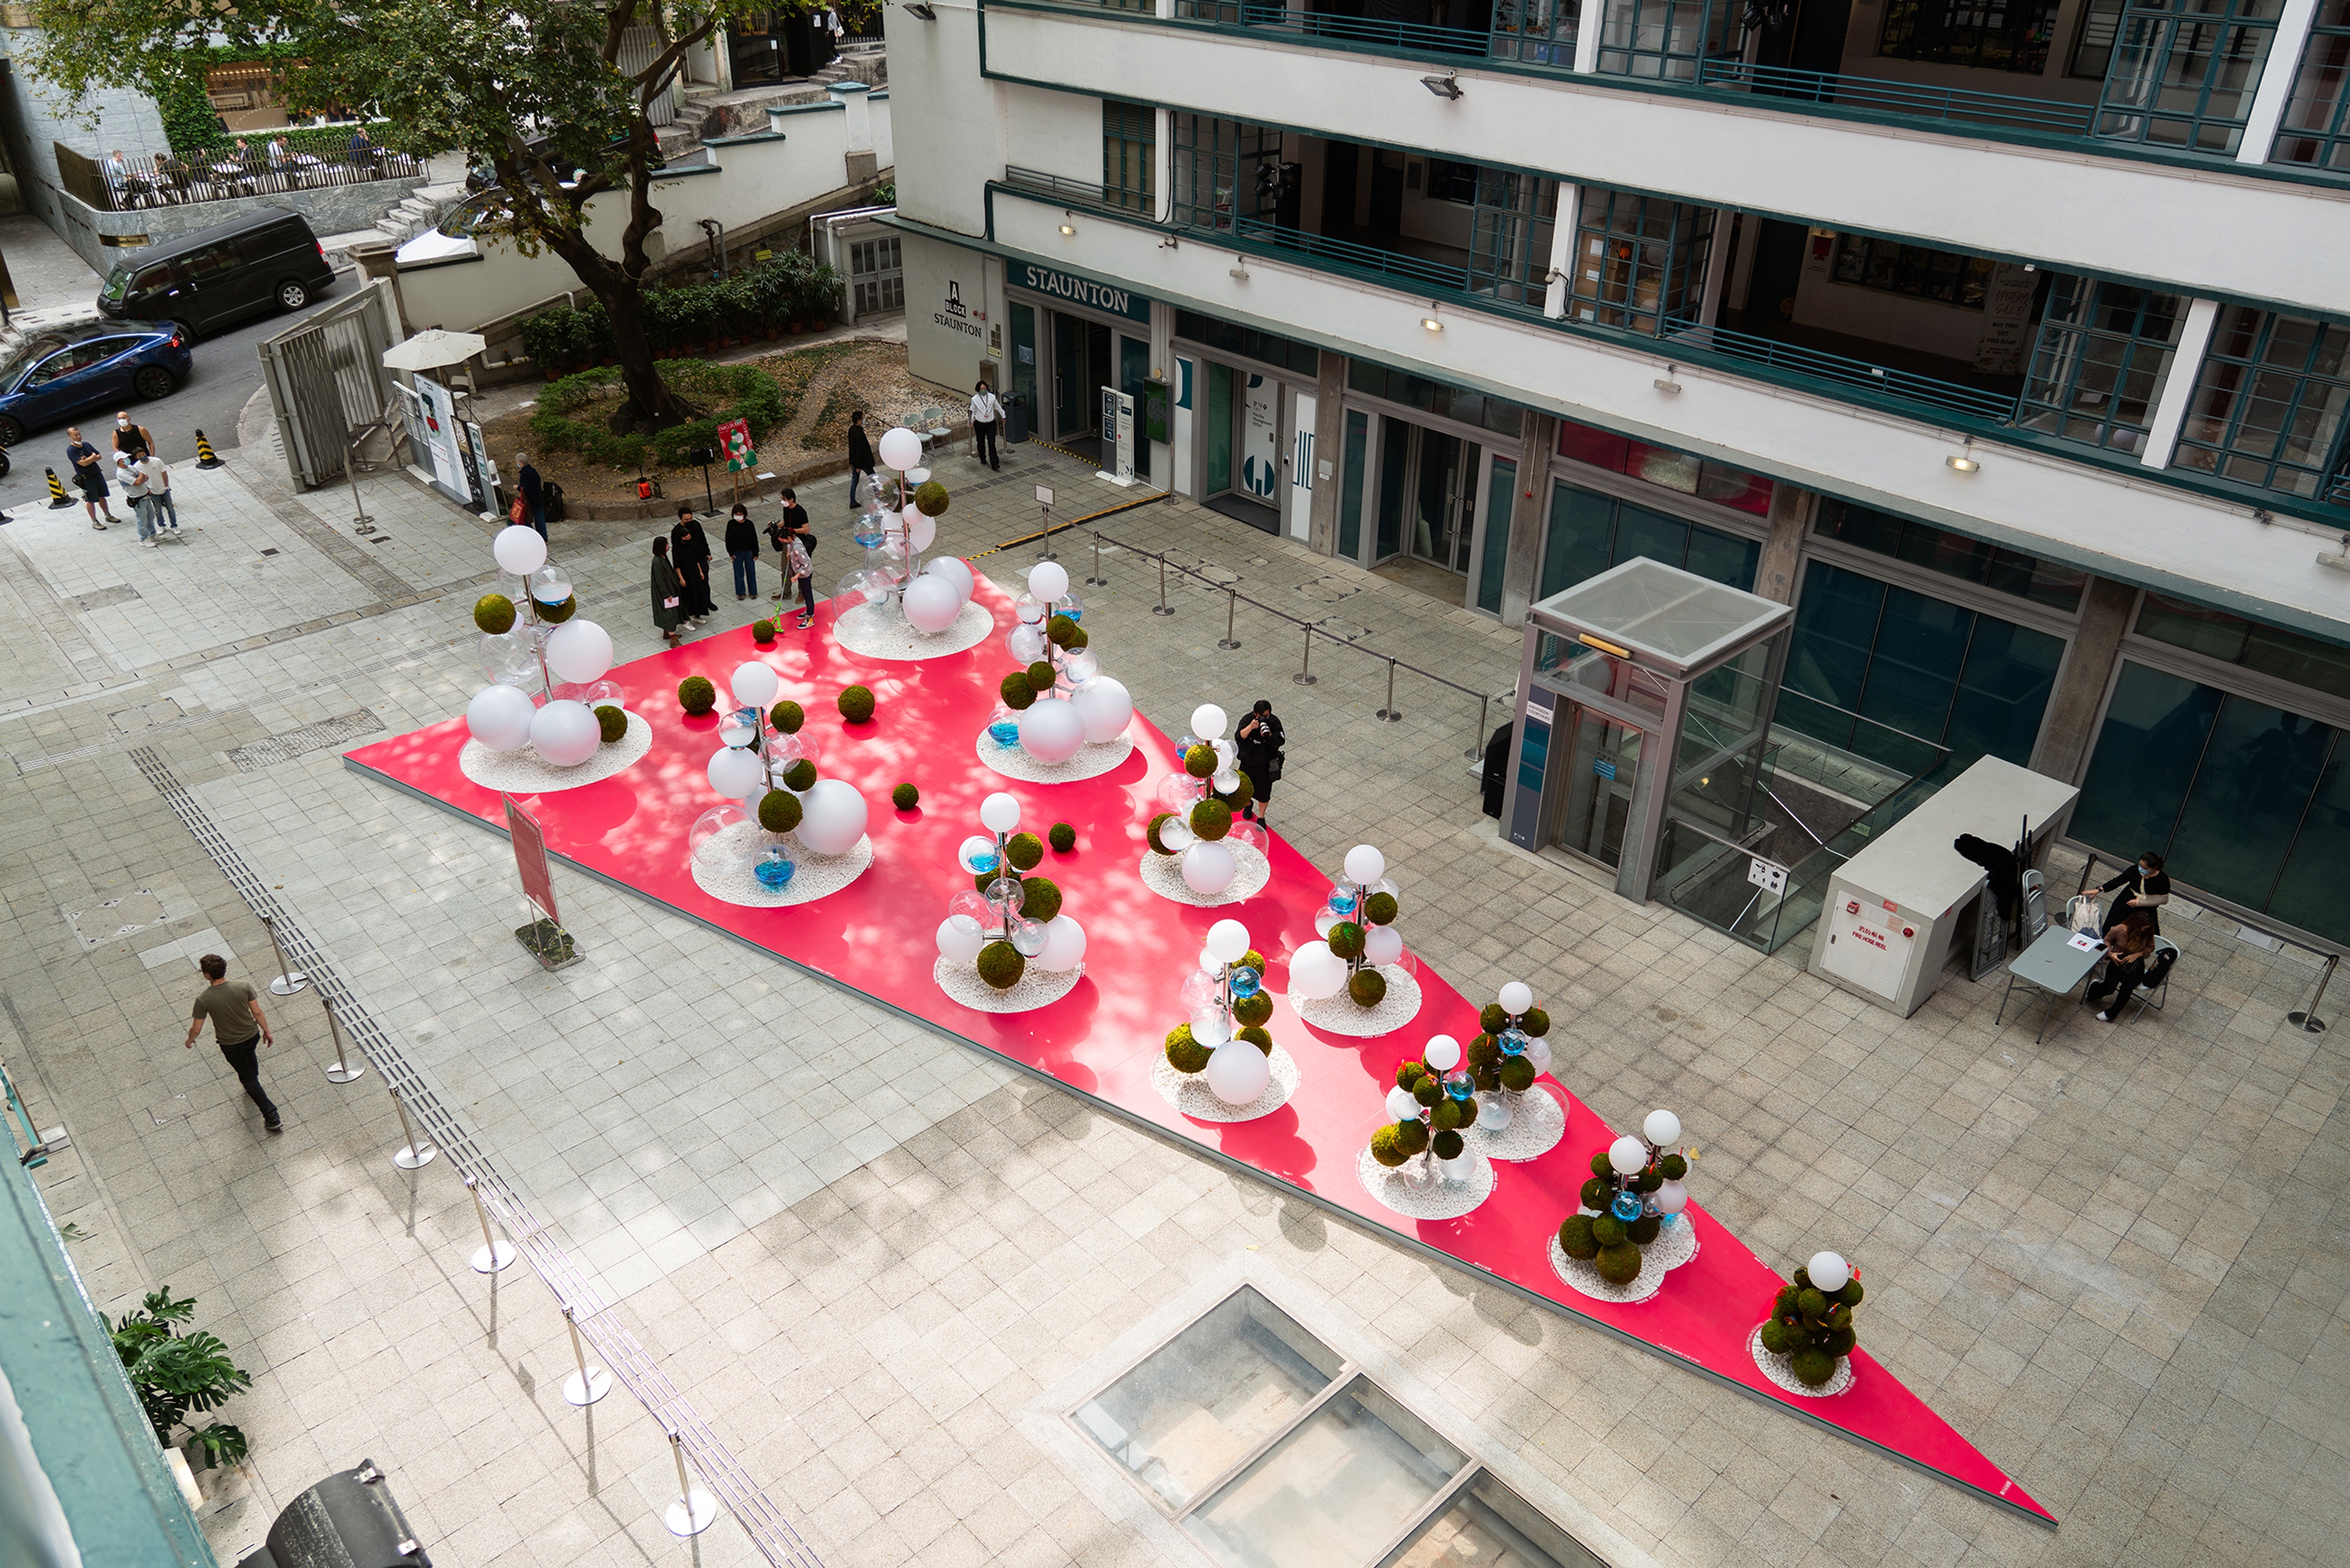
651, 400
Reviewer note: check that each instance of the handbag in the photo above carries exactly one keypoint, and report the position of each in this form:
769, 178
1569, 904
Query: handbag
514, 512
668, 604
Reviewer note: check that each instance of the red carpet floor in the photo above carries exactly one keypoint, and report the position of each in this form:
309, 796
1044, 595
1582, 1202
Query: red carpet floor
877, 937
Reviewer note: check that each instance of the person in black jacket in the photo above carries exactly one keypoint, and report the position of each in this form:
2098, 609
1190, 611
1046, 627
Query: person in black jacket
689, 552
1496, 778
780, 533
742, 544
861, 457
2145, 889
1258, 741
534, 493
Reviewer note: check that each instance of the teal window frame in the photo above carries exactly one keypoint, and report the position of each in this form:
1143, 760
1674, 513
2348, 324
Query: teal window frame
1663, 40
1629, 246
1985, 35
1211, 191
2315, 131
1463, 405
2253, 645
1588, 531
2184, 73
1129, 156
1248, 343
2270, 404
2093, 45
2104, 350
1536, 32
1510, 236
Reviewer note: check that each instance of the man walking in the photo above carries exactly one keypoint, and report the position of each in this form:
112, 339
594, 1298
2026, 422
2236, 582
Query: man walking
533, 491
986, 419
861, 457
238, 1023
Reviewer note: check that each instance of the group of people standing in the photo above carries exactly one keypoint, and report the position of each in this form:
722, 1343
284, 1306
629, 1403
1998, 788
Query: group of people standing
682, 596
145, 481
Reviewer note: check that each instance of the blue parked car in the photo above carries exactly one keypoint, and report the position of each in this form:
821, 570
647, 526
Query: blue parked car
96, 364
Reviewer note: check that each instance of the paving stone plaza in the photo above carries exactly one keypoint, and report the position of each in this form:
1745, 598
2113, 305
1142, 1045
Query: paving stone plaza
880, 1268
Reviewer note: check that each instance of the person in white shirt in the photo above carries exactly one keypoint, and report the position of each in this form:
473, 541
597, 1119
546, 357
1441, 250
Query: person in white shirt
986, 414
157, 508
134, 488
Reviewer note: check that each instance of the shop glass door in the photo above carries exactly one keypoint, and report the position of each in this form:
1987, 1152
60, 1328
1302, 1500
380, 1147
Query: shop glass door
1024, 361
1444, 498
1603, 766
1395, 471
1220, 431
1133, 370
1070, 415
1493, 530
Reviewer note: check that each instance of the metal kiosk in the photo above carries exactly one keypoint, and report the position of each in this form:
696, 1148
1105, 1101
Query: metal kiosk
1644, 691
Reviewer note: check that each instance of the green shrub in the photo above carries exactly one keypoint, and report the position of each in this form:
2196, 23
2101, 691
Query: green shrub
1041, 898
1023, 850
905, 797
1380, 909
1184, 1053
762, 631
800, 775
1618, 1264
1000, 965
1150, 833
1369, 987
175, 1371
857, 704
1449, 1145
1016, 692
1199, 761
786, 717
1575, 1239
1253, 1009
779, 811
611, 723
1063, 837
1211, 819
696, 695
494, 613
1347, 940
1387, 1149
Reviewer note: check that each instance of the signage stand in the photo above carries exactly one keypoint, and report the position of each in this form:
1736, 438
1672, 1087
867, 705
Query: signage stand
1117, 423
543, 938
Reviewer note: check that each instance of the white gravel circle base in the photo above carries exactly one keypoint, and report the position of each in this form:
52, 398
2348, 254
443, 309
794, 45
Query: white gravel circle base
1093, 759
1675, 1244
1163, 875
723, 869
1780, 1370
1035, 987
1340, 1014
521, 772
1536, 1124
1188, 1092
1462, 1184
873, 632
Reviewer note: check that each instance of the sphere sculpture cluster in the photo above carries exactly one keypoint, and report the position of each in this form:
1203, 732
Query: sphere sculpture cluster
550, 651
1057, 701
767, 763
1434, 1099
1224, 1036
893, 573
1811, 1320
1635, 1191
1007, 918
1202, 825
1356, 925
1510, 1053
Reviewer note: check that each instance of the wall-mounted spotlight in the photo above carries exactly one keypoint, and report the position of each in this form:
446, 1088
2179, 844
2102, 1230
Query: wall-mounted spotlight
1238, 272
1447, 87
1069, 225
1964, 462
1169, 244
1665, 383
1432, 321
921, 11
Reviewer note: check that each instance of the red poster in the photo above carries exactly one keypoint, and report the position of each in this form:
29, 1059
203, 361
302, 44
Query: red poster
530, 859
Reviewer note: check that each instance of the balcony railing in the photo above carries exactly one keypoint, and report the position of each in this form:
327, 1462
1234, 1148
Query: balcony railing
1873, 93
1411, 271
160, 180
1409, 37
1882, 379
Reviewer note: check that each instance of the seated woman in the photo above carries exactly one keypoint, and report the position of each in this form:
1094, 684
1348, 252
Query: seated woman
2129, 953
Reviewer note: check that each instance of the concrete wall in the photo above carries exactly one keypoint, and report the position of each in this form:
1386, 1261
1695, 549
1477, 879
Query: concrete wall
96, 236
34, 117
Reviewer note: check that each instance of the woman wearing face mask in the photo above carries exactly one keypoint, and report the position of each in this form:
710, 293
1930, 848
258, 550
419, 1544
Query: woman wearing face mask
2144, 888
742, 544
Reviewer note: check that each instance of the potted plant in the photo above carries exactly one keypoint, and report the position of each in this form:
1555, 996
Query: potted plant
1809, 1335
175, 1372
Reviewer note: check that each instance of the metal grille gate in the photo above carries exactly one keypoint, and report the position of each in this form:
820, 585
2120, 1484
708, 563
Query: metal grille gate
325, 378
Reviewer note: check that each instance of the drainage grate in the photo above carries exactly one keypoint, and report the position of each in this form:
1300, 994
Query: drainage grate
598, 1320
271, 749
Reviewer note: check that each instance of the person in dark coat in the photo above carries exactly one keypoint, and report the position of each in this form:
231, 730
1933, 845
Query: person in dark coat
861, 457
1497, 767
534, 493
689, 552
2145, 888
668, 594
1258, 741
743, 545
2129, 958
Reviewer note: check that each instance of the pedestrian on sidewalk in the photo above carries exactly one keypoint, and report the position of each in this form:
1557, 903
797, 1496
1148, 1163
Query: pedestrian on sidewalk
742, 544
533, 489
89, 478
779, 535
986, 419
860, 458
799, 561
669, 593
1259, 743
130, 440
164, 514
134, 490
689, 552
239, 1026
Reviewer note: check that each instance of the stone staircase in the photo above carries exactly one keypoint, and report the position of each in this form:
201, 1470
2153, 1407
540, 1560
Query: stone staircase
419, 211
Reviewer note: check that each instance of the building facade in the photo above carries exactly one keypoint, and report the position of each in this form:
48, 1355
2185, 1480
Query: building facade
2008, 346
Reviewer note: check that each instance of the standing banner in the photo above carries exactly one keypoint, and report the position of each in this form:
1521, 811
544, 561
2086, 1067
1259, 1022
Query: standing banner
442, 440
1118, 430
734, 440
530, 859
481, 469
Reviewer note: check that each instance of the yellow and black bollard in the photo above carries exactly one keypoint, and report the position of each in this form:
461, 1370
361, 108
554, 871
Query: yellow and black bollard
57, 496
205, 456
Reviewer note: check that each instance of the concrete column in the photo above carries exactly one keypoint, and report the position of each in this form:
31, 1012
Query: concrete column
380, 258
1529, 509
2170, 405
858, 165
2278, 74
1329, 454
1791, 514
2063, 751
1563, 218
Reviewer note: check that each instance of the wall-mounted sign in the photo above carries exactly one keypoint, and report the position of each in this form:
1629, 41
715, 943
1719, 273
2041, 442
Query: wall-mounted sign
1108, 298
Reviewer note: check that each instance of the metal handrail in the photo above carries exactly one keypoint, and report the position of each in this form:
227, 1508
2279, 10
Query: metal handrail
1390, 263
1413, 36
1835, 89
1089, 192
1906, 385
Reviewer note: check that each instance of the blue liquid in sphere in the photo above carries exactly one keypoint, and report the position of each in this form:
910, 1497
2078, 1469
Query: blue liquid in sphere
867, 540
1514, 1042
1342, 901
776, 872
1625, 1207
1246, 981
1460, 1086
1005, 732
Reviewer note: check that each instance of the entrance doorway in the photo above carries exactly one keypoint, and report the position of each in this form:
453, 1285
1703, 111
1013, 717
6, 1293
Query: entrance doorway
1603, 762
1081, 368
1242, 446
1441, 513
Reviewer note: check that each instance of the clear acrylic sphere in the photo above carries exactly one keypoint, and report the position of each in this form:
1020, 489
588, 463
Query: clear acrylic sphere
1178, 792
1005, 894
550, 585
1326, 918
970, 901
978, 852
510, 658
1245, 982
712, 822
1003, 725
1079, 666
1070, 605
595, 693
1029, 609
1199, 990
1028, 937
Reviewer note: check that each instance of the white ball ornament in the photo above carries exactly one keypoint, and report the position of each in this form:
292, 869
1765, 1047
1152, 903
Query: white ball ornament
1401, 1106
959, 939
1052, 730
500, 716
1000, 812
519, 551
1208, 722
1316, 973
735, 773
1517, 997
565, 733
1237, 1072
1829, 1272
1027, 643
1662, 1129
954, 569
1442, 1053
1211, 1028
1628, 1155
1048, 580
578, 650
1672, 1198
898, 447
1227, 940
755, 684
1538, 1053
1105, 706
1208, 867
1365, 864
932, 604
1382, 944
832, 817
1065, 945
1176, 835
921, 530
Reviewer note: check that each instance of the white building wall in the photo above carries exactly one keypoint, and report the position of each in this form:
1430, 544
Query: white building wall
955, 143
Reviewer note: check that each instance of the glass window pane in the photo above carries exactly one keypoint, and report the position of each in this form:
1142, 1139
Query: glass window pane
1913, 673
1640, 532
1350, 498
1501, 491
1335, 1492
1576, 547
2002, 693
1490, 1526
1724, 557
1395, 455
2256, 777
2144, 759
1220, 428
2309, 895
1835, 626
1195, 1407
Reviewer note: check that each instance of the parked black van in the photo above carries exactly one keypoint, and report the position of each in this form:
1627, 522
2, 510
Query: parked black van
265, 260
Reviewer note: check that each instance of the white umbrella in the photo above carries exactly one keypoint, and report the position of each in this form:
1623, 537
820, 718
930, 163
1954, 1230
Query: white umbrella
433, 349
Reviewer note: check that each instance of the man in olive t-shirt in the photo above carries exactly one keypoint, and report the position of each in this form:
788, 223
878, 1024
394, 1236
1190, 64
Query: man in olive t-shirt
239, 1025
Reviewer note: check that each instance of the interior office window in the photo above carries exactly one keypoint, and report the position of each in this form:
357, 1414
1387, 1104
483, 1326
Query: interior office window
1248, 343
2291, 656
1588, 533
2184, 72
2316, 128
2104, 351
1215, 171
1639, 260
1130, 138
2092, 50
1662, 466
1451, 182
1992, 35
1440, 398
2269, 406
1917, 270
1663, 40
1952, 555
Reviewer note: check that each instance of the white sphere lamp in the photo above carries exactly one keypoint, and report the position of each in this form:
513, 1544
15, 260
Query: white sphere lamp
1662, 1129
755, 684
1442, 1053
1048, 580
735, 773
519, 551
999, 812
500, 716
1517, 997
1365, 865
1829, 1272
898, 447
565, 733
1237, 1072
1628, 1155
1208, 722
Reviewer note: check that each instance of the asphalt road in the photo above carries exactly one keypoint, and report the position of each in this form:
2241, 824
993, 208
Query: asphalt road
226, 372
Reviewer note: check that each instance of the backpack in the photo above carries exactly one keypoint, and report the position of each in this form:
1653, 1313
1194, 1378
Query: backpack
550, 501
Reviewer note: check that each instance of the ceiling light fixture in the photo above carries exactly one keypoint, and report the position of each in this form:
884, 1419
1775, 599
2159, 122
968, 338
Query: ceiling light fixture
1446, 86
1665, 383
1964, 462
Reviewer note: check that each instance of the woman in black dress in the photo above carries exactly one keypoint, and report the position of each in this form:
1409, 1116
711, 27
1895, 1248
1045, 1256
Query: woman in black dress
690, 552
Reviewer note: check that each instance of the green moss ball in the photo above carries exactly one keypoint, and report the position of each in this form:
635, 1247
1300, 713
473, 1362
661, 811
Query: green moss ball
1813, 1366
1199, 761
1255, 1009
1040, 900
494, 613
1184, 1053
762, 631
1410, 1073
1487, 1078
1842, 1341
1347, 939
1535, 1024
1851, 1293
1256, 1037
1380, 909
1041, 675
1618, 1264
1644, 1229
1446, 1117
779, 811
905, 797
857, 704
1468, 1113
787, 716
1369, 987
556, 615
1492, 1019
1387, 1149
1150, 833
1811, 1304
1447, 1145
1517, 1074
1017, 694
800, 775
1484, 1050
1241, 798
1608, 1229
1023, 850
611, 723
1063, 838
1061, 632
1412, 1136
696, 695
1427, 1089
931, 497
1601, 1165
1000, 965
1211, 819
1672, 1167
1575, 1239
1778, 1338
1254, 959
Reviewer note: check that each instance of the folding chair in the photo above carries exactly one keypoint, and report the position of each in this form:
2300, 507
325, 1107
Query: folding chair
933, 430
2165, 959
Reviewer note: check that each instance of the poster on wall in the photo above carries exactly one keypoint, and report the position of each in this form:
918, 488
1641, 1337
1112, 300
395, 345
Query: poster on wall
445, 457
1298, 499
2007, 318
1260, 438
482, 471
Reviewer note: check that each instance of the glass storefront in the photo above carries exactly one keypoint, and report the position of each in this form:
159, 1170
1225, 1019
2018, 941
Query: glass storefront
1589, 533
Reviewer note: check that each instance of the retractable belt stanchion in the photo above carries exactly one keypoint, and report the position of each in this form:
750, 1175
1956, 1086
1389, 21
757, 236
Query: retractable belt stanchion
494, 1254
588, 1383
290, 980
342, 1072
417, 1151
694, 1509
